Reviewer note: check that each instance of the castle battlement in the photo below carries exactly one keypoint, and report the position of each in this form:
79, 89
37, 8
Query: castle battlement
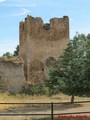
37, 23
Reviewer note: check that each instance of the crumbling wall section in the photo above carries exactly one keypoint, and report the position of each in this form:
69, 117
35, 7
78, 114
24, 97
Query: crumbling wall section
12, 74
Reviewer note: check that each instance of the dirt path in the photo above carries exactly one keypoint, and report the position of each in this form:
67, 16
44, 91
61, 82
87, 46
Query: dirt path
46, 109
43, 109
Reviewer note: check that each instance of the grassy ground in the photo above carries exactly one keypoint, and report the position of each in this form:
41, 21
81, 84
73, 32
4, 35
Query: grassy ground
6, 98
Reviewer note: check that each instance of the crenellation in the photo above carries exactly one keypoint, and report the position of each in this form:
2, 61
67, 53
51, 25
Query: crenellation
65, 17
34, 23
59, 23
46, 26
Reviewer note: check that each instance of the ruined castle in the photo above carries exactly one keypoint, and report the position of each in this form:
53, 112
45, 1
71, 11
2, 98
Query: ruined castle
41, 44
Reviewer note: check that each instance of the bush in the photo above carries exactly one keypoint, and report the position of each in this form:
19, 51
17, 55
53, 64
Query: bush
1, 83
12, 93
33, 90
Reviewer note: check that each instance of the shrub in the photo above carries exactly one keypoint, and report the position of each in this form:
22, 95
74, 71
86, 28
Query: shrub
33, 90
1, 83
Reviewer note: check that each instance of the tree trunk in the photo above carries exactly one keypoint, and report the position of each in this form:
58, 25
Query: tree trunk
72, 99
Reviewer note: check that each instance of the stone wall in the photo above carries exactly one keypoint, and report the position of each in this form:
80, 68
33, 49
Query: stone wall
12, 74
39, 42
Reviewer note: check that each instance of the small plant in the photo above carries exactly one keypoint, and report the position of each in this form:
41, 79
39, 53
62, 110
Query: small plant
1, 83
12, 93
33, 89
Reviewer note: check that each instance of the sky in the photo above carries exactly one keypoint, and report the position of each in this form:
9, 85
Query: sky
14, 11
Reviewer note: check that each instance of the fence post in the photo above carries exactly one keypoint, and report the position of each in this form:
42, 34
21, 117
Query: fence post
51, 110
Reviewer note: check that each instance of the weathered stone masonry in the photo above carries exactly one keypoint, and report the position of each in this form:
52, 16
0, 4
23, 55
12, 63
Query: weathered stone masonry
12, 74
39, 42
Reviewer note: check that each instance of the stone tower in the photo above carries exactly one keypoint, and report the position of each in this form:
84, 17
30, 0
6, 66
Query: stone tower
39, 42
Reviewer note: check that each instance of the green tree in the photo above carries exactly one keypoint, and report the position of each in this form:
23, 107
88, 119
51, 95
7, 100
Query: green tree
86, 67
7, 54
70, 74
16, 52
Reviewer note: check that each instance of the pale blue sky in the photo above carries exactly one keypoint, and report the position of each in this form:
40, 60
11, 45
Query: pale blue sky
14, 11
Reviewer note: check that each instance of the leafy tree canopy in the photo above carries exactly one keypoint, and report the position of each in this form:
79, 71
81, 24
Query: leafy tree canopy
71, 72
7, 54
16, 52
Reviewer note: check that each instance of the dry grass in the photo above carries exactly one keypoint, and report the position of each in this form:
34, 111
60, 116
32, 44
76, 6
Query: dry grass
5, 98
